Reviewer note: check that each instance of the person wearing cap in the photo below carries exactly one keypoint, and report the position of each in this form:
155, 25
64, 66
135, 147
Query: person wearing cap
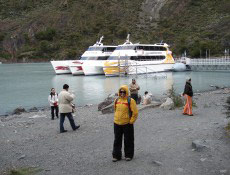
188, 93
65, 107
125, 115
133, 88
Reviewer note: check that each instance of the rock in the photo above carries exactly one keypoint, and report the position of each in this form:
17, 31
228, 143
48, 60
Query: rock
19, 110
203, 159
180, 169
37, 116
22, 157
223, 171
157, 163
198, 145
34, 109
108, 109
109, 100
169, 104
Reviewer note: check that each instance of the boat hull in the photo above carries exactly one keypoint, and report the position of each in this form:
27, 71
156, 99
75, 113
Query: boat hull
132, 69
93, 67
61, 67
76, 67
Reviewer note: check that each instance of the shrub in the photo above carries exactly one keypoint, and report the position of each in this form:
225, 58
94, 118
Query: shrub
48, 34
178, 102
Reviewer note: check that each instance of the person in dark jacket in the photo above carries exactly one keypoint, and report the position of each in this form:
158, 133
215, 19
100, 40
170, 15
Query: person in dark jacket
188, 93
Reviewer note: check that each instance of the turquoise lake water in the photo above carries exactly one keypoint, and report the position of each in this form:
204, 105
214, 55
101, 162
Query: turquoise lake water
28, 85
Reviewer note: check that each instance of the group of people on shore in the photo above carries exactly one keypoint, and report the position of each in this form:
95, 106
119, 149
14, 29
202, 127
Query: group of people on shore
125, 114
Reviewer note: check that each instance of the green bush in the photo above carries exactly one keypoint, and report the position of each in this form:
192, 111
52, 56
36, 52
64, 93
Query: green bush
48, 34
178, 102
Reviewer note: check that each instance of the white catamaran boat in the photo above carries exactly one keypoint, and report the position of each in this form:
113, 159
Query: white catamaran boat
61, 67
138, 58
92, 60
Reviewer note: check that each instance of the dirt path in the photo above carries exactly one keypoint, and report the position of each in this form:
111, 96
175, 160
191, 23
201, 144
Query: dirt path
163, 142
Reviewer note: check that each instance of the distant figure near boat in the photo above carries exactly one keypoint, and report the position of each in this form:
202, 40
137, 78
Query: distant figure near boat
53, 100
188, 93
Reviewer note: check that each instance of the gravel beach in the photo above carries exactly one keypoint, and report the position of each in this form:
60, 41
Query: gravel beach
163, 142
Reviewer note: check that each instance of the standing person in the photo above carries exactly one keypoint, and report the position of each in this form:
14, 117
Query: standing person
53, 100
126, 113
188, 93
134, 87
65, 107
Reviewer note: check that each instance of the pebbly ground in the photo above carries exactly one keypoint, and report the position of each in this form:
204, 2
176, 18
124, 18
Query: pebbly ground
163, 142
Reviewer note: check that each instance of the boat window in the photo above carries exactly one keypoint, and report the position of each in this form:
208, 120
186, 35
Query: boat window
125, 48
95, 48
147, 58
108, 49
119, 58
103, 58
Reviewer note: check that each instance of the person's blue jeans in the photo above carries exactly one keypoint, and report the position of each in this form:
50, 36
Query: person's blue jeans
62, 119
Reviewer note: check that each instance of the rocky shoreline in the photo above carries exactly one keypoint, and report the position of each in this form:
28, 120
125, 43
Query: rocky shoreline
166, 142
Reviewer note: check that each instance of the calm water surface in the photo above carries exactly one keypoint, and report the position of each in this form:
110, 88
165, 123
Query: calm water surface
28, 85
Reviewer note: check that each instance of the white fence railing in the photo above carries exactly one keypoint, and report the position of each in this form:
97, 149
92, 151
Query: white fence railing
218, 61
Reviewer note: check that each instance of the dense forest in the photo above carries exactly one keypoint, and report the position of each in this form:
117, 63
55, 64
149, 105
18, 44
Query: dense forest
43, 30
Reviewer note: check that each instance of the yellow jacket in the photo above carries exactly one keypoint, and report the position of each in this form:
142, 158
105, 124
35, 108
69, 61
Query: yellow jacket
121, 115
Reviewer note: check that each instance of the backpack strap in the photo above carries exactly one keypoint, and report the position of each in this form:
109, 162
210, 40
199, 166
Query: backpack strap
129, 102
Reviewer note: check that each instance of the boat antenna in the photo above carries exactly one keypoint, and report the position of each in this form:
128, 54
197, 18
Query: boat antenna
101, 40
127, 40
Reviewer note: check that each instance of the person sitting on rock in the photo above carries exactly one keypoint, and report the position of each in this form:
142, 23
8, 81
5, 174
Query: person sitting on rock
147, 98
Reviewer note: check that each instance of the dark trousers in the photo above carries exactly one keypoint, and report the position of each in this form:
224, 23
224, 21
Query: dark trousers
128, 132
135, 97
62, 119
54, 108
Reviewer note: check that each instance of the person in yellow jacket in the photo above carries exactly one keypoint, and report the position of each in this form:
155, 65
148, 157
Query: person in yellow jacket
126, 113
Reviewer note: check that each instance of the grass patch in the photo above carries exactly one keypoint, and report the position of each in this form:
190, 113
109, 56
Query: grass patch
24, 171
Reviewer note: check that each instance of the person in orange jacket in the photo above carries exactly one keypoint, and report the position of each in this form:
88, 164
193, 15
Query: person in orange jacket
125, 115
188, 93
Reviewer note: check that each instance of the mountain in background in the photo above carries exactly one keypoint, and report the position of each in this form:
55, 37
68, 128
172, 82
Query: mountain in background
43, 30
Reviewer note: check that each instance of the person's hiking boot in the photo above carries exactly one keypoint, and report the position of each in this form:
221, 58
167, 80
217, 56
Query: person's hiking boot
128, 159
185, 114
115, 159
76, 127
63, 131
191, 115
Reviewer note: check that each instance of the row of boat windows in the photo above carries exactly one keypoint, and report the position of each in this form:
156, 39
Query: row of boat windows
136, 58
103, 49
111, 49
146, 48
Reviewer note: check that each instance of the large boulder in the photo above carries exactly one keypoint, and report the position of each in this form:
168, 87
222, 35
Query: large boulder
108, 109
109, 100
19, 110
168, 105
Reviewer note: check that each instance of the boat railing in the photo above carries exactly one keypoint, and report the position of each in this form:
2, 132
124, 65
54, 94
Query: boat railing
210, 61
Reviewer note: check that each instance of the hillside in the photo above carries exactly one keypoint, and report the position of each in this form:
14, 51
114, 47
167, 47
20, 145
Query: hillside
42, 30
